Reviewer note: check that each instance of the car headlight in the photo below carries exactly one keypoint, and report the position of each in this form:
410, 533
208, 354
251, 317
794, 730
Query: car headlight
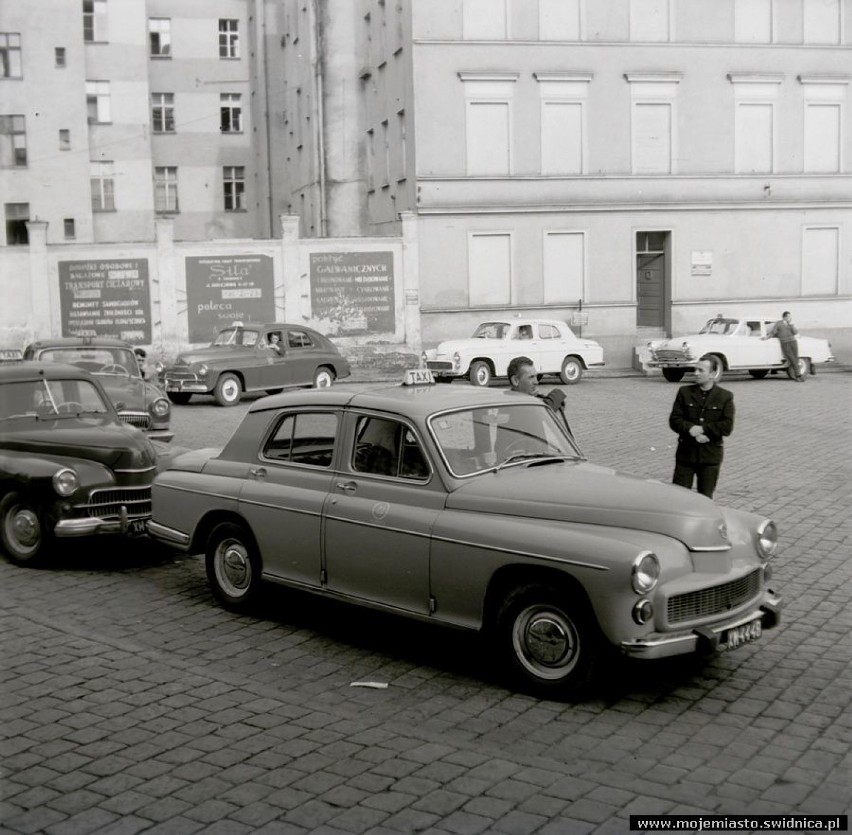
202, 370
767, 538
160, 407
643, 611
65, 481
456, 360
645, 573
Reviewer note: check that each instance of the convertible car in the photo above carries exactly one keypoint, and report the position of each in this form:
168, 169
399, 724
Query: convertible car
738, 344
245, 358
471, 508
549, 343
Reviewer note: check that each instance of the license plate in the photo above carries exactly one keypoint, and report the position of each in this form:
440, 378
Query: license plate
739, 635
137, 527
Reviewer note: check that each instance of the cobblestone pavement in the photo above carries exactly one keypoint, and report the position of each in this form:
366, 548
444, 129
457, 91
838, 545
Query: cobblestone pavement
130, 702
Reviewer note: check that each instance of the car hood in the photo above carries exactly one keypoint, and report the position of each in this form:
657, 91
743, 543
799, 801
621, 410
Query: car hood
133, 392
93, 438
676, 342
590, 494
461, 345
212, 353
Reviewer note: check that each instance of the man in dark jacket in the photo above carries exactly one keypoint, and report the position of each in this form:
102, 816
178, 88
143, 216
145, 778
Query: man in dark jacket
523, 378
702, 415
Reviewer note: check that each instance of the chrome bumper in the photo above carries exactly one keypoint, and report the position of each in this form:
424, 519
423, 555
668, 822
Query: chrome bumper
95, 525
704, 638
170, 536
163, 435
185, 385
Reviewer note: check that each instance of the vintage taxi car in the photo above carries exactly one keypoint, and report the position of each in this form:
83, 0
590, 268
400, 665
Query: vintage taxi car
245, 358
139, 402
68, 466
549, 343
738, 344
471, 508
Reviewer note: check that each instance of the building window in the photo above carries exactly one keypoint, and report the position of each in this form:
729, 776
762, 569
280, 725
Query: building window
10, 55
820, 260
234, 182
97, 102
160, 36
230, 113
753, 21
59, 56
824, 107
489, 268
488, 122
103, 187
822, 21
560, 20
64, 139
13, 141
68, 225
485, 20
564, 266
563, 140
17, 216
166, 189
163, 112
94, 21
754, 122
652, 122
229, 38
650, 21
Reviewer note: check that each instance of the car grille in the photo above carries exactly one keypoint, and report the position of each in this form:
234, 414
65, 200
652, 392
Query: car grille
669, 354
181, 375
437, 365
141, 420
104, 504
713, 601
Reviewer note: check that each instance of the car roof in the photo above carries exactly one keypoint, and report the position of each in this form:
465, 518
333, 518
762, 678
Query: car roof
416, 402
23, 370
264, 325
79, 342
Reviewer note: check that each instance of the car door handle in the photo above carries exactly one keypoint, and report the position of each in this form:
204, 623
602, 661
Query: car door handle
346, 486
258, 472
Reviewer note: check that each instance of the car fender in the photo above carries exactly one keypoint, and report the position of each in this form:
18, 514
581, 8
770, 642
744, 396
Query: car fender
29, 467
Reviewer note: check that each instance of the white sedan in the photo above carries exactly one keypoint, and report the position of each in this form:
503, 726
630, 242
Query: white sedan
549, 343
738, 344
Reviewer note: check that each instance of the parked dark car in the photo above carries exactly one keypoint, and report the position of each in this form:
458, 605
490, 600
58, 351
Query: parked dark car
139, 402
68, 466
245, 358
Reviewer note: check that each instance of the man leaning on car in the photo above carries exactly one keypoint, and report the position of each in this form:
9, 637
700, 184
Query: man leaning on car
786, 332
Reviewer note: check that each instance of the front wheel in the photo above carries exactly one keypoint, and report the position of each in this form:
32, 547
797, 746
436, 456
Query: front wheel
228, 390
22, 532
233, 566
179, 398
323, 378
480, 373
718, 367
547, 640
572, 370
674, 375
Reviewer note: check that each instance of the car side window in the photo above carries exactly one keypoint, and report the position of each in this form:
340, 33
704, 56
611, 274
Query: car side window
298, 339
548, 332
303, 438
388, 447
525, 332
754, 329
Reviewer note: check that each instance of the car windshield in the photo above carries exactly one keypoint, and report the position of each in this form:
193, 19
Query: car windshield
95, 360
237, 336
479, 439
492, 330
50, 398
720, 326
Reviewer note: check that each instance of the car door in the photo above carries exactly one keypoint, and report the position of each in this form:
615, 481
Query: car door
300, 356
753, 350
553, 347
379, 518
523, 341
277, 369
286, 488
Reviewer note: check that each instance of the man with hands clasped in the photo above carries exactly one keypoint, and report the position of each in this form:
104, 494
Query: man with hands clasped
702, 415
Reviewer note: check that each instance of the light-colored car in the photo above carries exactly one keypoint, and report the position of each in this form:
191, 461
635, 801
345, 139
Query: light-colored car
471, 508
549, 343
738, 344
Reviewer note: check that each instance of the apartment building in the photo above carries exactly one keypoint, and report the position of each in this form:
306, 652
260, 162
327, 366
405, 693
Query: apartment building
115, 112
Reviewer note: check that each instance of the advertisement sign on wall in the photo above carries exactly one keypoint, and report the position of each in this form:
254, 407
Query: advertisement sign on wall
106, 298
225, 289
353, 291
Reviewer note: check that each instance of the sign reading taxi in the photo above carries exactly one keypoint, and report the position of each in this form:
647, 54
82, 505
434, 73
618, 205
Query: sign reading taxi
418, 377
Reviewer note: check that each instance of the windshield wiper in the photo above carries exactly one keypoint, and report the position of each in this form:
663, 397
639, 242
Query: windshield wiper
521, 456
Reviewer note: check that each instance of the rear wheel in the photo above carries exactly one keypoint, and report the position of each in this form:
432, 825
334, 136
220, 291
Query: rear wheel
758, 373
228, 390
572, 370
804, 366
674, 375
233, 566
22, 532
323, 377
180, 398
480, 373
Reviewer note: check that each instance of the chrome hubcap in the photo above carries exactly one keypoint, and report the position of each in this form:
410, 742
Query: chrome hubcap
546, 642
233, 569
23, 527
230, 390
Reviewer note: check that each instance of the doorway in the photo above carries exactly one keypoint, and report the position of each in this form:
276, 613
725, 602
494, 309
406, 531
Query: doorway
653, 280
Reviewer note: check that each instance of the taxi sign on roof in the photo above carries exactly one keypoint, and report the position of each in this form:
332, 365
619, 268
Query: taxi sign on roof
418, 377
8, 354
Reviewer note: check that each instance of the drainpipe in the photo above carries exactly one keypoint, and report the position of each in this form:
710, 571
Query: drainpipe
260, 10
319, 117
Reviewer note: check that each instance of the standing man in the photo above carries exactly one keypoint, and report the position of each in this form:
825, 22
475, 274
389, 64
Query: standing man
786, 332
702, 415
523, 378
